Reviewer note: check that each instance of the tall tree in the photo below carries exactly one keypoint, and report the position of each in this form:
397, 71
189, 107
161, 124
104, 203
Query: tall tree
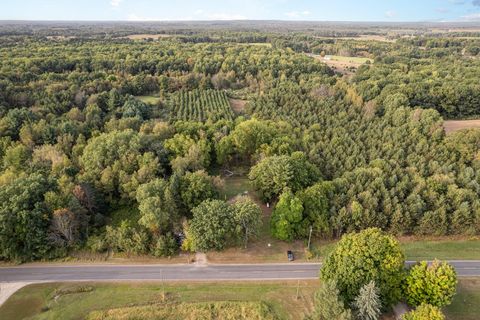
287, 216
359, 258
248, 218
212, 225
157, 209
24, 220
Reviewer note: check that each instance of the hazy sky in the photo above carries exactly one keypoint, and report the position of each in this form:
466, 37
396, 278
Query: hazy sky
332, 10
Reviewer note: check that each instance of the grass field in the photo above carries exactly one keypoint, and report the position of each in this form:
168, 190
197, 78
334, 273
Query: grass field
191, 311
234, 186
342, 64
350, 60
149, 99
77, 300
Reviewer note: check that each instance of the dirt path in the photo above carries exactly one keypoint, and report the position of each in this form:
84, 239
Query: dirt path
200, 259
456, 125
7, 289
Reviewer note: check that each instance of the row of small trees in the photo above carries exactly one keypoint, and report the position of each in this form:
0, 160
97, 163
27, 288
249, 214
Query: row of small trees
200, 105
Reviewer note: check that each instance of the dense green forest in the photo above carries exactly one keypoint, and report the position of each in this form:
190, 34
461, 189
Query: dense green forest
93, 126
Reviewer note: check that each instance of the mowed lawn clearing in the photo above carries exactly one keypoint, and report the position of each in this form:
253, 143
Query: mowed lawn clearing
77, 300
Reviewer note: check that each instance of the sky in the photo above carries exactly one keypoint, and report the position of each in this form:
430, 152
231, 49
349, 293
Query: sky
308, 10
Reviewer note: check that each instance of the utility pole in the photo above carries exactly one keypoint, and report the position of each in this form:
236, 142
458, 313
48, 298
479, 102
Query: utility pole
298, 289
309, 238
163, 285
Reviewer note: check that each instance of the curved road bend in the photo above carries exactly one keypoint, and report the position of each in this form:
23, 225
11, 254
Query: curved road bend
51, 273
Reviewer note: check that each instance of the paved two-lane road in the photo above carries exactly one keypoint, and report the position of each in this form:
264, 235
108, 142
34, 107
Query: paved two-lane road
181, 272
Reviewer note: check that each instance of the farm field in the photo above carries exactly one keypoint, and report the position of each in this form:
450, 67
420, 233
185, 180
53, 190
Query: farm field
456, 125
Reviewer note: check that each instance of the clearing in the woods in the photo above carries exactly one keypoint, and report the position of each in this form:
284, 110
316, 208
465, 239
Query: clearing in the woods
457, 125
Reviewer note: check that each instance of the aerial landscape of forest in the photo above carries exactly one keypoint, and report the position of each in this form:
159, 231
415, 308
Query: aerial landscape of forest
347, 153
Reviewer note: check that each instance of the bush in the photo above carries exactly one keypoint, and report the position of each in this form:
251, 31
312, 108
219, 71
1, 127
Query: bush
434, 284
328, 304
166, 246
424, 312
359, 258
127, 239
97, 243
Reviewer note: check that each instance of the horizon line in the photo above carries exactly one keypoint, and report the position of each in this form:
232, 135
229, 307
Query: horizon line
250, 20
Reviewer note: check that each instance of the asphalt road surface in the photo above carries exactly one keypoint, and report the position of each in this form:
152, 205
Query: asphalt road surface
192, 272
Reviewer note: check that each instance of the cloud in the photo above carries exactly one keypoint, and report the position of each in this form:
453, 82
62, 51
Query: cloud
115, 3
442, 10
472, 17
298, 14
457, 2
476, 3
199, 12
390, 14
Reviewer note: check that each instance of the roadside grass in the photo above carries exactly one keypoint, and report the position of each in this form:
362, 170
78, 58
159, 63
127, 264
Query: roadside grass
77, 300
43, 301
444, 249
420, 249
465, 305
